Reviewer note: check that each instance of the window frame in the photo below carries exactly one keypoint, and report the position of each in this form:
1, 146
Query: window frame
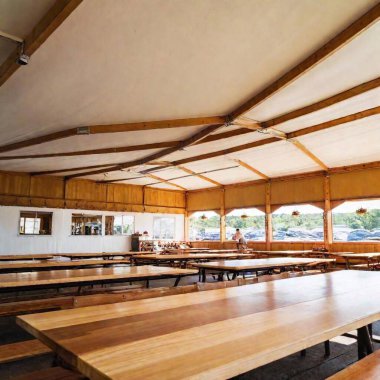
332, 217
122, 216
174, 227
299, 241
50, 213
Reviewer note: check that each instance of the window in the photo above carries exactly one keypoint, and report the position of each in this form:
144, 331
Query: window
298, 223
86, 224
35, 223
164, 227
251, 223
204, 225
119, 224
357, 221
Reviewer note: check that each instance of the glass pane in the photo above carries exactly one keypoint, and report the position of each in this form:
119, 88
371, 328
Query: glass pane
164, 228
29, 226
298, 223
352, 224
251, 223
118, 225
128, 224
86, 224
35, 223
204, 226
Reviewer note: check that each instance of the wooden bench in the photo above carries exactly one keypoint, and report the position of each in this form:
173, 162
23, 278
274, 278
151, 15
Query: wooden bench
367, 368
54, 373
22, 350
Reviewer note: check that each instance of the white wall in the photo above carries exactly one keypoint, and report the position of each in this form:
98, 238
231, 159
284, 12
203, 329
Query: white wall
61, 240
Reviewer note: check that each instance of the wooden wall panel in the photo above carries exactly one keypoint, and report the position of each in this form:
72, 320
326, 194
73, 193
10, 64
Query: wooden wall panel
356, 184
86, 190
166, 198
125, 194
204, 200
295, 191
245, 196
47, 187
14, 184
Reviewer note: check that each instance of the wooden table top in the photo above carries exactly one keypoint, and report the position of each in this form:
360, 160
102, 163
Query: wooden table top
190, 256
98, 254
214, 334
286, 253
25, 257
9, 265
60, 277
367, 368
364, 255
274, 262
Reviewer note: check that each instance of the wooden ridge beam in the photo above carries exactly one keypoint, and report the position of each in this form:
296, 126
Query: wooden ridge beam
54, 17
340, 40
186, 170
252, 169
183, 144
113, 128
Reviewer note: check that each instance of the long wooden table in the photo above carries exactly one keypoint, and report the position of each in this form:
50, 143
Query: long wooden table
29, 266
286, 253
103, 255
215, 334
183, 258
89, 276
25, 257
368, 256
255, 265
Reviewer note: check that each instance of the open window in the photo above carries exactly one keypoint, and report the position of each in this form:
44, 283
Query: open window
251, 223
357, 221
164, 227
82, 224
119, 224
204, 225
35, 223
298, 223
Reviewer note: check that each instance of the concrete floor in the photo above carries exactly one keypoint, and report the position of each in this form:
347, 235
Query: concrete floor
314, 366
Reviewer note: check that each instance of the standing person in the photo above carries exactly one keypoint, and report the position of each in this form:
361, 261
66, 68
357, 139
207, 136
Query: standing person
241, 243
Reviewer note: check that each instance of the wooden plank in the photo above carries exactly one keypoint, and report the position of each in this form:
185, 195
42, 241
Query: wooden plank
183, 144
30, 257
102, 342
340, 40
186, 170
55, 16
367, 368
54, 373
308, 153
112, 128
252, 169
22, 350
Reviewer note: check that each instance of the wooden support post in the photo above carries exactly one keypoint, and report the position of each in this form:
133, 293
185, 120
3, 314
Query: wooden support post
222, 219
186, 223
327, 215
268, 217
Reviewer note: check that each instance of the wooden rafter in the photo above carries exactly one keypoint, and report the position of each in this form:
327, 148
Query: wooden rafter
186, 170
67, 170
307, 152
55, 16
113, 128
252, 169
162, 180
183, 144
311, 61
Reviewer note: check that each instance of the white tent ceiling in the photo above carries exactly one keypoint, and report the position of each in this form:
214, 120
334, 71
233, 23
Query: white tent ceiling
132, 61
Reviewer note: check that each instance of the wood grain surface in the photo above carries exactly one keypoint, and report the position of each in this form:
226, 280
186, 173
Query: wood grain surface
273, 262
214, 334
60, 277
26, 257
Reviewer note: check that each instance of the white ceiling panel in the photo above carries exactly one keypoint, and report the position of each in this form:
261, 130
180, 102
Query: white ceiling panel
349, 144
163, 186
357, 62
234, 175
193, 183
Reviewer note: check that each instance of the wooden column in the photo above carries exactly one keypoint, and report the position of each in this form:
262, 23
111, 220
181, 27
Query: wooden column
268, 217
186, 224
327, 215
222, 218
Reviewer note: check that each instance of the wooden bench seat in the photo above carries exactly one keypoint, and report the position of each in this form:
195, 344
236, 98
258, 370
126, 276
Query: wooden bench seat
54, 373
22, 350
367, 368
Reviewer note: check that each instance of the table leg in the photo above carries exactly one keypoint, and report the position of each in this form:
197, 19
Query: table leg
347, 263
365, 346
178, 279
147, 283
203, 274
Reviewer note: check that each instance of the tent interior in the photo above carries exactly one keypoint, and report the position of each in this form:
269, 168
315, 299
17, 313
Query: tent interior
179, 122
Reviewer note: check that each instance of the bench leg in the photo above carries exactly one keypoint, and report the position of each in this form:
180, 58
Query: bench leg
327, 348
365, 346
178, 279
203, 274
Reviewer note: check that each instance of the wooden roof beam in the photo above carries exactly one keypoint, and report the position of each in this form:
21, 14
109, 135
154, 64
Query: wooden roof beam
55, 16
340, 40
183, 144
186, 170
162, 180
251, 168
308, 153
